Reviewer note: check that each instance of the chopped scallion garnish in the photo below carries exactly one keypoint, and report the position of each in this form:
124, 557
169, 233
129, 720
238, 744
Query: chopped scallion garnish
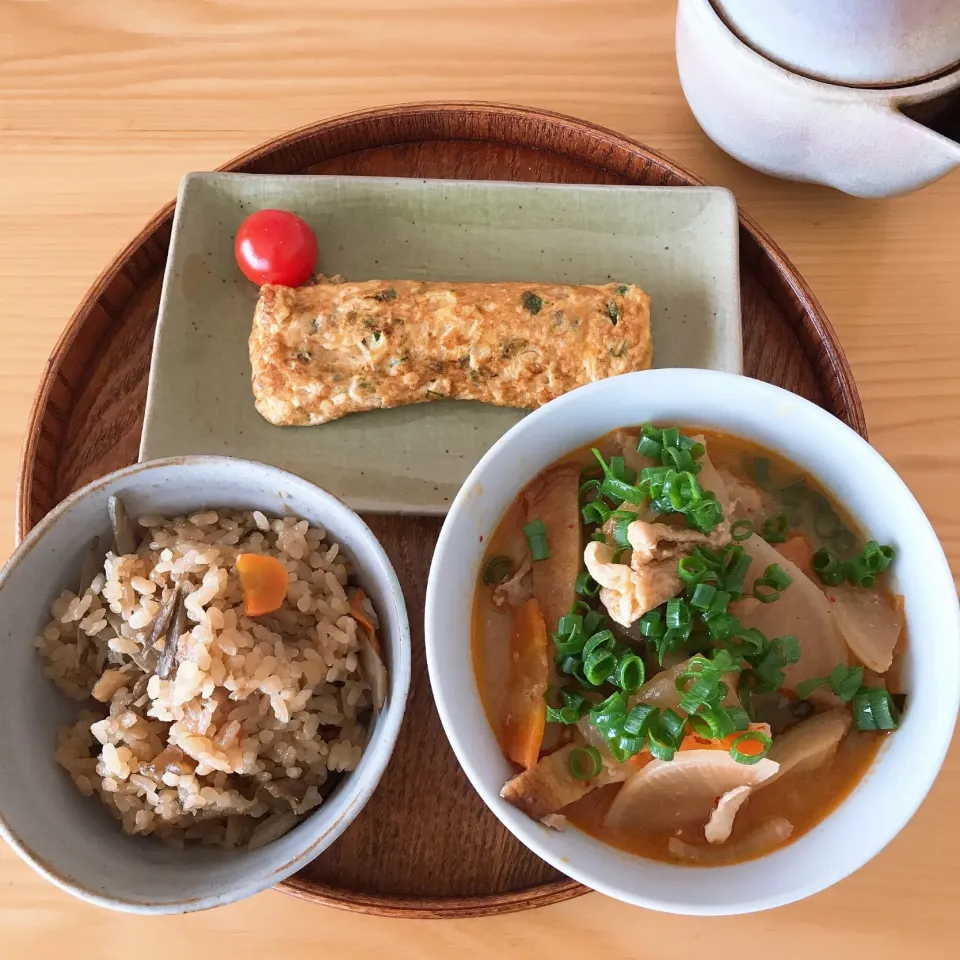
741, 530
774, 530
773, 582
585, 762
536, 534
630, 673
874, 709
827, 567
585, 585
750, 747
497, 570
844, 681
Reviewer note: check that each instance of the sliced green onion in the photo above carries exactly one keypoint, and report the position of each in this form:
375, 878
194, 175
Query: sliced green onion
827, 567
618, 467
598, 667
874, 559
723, 662
751, 640
754, 736
768, 671
678, 616
765, 592
778, 575
788, 648
616, 487
684, 492
602, 640
650, 447
719, 603
846, 681
585, 585
651, 624
732, 579
670, 436
592, 621
859, 574
722, 626
497, 570
576, 701
569, 646
690, 569
630, 673
536, 534
874, 709
739, 718
639, 719
680, 459
620, 531
741, 530
774, 530
773, 582
599, 536
717, 721
660, 746
585, 762
573, 667
596, 512
702, 597
614, 708
629, 747
590, 486
562, 715
711, 558
705, 516
673, 723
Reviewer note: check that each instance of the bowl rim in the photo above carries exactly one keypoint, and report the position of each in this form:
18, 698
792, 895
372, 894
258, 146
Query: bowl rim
708, 386
359, 789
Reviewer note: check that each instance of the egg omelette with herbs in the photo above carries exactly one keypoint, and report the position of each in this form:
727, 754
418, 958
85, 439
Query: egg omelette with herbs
323, 351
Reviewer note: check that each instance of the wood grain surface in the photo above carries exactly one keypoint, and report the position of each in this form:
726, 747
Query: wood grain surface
460, 861
103, 107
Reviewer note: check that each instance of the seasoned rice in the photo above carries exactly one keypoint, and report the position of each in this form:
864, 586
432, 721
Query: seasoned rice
257, 719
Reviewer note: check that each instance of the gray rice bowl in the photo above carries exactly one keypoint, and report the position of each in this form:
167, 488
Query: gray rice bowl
247, 723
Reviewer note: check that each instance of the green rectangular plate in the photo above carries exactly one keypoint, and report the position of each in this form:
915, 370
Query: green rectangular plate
679, 244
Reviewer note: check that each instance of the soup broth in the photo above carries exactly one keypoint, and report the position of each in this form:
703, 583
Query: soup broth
775, 744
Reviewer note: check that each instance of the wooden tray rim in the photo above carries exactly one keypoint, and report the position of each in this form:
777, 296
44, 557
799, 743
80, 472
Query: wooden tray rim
247, 162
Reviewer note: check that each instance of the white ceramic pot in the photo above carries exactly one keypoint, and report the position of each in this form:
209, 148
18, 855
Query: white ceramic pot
884, 800
71, 839
779, 121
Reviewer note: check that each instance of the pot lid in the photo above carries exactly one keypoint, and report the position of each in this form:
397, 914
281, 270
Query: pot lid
857, 42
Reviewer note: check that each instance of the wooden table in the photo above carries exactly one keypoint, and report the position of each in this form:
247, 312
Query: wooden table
104, 106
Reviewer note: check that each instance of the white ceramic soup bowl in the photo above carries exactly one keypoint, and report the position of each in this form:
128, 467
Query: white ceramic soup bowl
858, 477
72, 840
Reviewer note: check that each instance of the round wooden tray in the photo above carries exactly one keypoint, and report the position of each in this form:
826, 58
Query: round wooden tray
425, 846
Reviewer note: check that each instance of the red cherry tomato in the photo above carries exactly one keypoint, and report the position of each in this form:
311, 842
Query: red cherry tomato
274, 246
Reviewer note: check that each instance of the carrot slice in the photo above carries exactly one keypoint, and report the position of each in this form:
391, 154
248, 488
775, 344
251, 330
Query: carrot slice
798, 549
357, 611
264, 580
525, 713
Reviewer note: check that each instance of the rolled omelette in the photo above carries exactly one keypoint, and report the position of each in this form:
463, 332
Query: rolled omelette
321, 352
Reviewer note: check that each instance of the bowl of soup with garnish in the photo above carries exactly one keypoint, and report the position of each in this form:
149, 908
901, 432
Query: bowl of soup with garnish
693, 641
